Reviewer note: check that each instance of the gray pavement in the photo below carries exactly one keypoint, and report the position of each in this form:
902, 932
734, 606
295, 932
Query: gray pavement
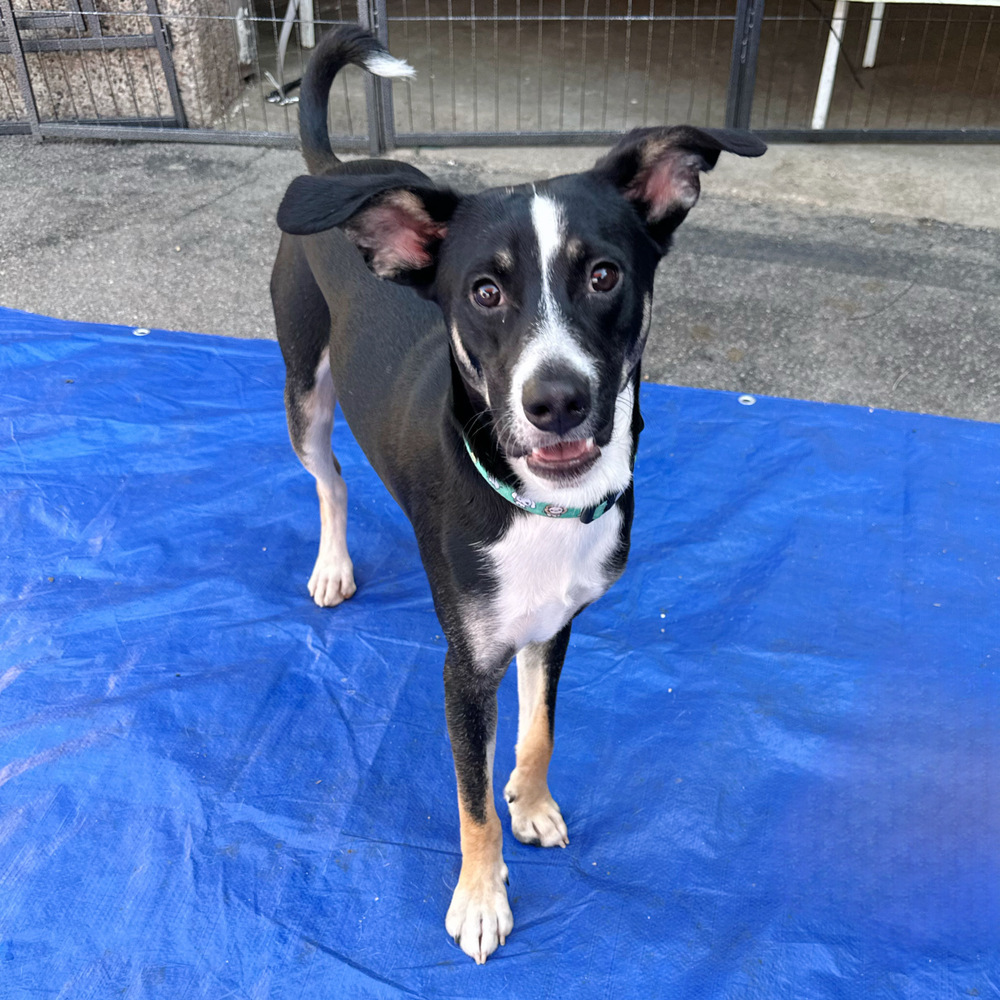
865, 274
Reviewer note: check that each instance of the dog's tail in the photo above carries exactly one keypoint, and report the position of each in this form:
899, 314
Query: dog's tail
347, 44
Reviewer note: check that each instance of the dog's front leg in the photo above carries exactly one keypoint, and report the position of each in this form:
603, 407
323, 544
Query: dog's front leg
534, 815
479, 918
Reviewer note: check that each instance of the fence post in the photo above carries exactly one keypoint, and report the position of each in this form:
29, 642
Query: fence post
743, 66
372, 15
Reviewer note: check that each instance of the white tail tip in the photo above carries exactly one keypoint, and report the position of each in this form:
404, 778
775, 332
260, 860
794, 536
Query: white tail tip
383, 64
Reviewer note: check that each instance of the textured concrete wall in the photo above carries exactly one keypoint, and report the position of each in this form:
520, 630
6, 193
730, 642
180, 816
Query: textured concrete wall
130, 83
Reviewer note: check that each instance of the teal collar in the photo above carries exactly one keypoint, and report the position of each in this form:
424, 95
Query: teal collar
554, 510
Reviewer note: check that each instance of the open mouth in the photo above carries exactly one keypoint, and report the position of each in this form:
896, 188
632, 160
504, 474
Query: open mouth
568, 458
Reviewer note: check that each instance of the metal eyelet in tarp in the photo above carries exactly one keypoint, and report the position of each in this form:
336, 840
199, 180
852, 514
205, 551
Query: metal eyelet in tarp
777, 740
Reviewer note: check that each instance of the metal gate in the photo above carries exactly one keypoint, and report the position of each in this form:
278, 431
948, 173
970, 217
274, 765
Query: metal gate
87, 55
502, 72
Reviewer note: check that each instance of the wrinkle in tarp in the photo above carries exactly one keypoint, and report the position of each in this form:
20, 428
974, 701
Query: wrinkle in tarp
777, 748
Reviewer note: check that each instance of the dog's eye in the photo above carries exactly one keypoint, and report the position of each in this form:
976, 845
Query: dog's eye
604, 277
486, 294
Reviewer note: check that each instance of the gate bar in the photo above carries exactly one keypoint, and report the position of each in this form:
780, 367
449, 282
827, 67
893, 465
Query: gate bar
100, 43
166, 60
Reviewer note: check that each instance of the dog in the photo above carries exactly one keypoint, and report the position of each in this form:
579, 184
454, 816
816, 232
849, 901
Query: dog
486, 353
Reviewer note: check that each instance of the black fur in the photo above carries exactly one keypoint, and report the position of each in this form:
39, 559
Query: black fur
408, 394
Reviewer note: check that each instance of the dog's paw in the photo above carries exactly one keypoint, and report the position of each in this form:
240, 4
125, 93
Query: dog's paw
332, 581
479, 918
534, 816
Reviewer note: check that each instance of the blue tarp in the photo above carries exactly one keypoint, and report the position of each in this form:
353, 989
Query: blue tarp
777, 736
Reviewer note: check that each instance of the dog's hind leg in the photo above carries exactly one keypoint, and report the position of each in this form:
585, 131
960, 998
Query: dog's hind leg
310, 424
534, 816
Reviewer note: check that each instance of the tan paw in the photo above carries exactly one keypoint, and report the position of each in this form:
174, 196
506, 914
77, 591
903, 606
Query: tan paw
534, 815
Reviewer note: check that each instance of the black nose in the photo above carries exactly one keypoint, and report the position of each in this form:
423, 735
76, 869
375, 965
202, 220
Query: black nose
556, 402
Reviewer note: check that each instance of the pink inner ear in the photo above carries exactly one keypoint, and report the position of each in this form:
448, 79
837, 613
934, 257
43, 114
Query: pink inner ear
670, 182
397, 232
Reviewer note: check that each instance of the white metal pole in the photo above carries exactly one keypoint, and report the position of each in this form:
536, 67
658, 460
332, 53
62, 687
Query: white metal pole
825, 90
307, 24
874, 30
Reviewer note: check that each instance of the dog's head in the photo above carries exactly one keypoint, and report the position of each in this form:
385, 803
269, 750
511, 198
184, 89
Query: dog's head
545, 289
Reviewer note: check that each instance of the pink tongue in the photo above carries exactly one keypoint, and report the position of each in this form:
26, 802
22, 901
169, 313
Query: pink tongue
563, 452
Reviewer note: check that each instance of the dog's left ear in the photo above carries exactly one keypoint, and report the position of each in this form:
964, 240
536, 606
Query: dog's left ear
395, 220
659, 169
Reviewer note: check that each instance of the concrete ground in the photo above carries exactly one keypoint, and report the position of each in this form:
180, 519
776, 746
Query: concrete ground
866, 275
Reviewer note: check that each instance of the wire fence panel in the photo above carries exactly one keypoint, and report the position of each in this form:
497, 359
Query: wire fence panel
496, 67
901, 67
266, 71
508, 71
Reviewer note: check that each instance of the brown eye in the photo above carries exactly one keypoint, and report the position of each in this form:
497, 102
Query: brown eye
486, 294
604, 277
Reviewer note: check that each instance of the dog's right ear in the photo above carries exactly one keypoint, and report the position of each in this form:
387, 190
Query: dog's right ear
396, 222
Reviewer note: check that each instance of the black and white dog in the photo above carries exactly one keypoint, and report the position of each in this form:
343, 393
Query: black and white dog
493, 383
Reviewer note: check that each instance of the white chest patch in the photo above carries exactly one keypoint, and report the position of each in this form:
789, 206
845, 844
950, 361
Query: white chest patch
546, 571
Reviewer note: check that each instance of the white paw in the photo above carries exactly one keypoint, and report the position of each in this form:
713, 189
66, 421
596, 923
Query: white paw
479, 919
534, 817
332, 580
